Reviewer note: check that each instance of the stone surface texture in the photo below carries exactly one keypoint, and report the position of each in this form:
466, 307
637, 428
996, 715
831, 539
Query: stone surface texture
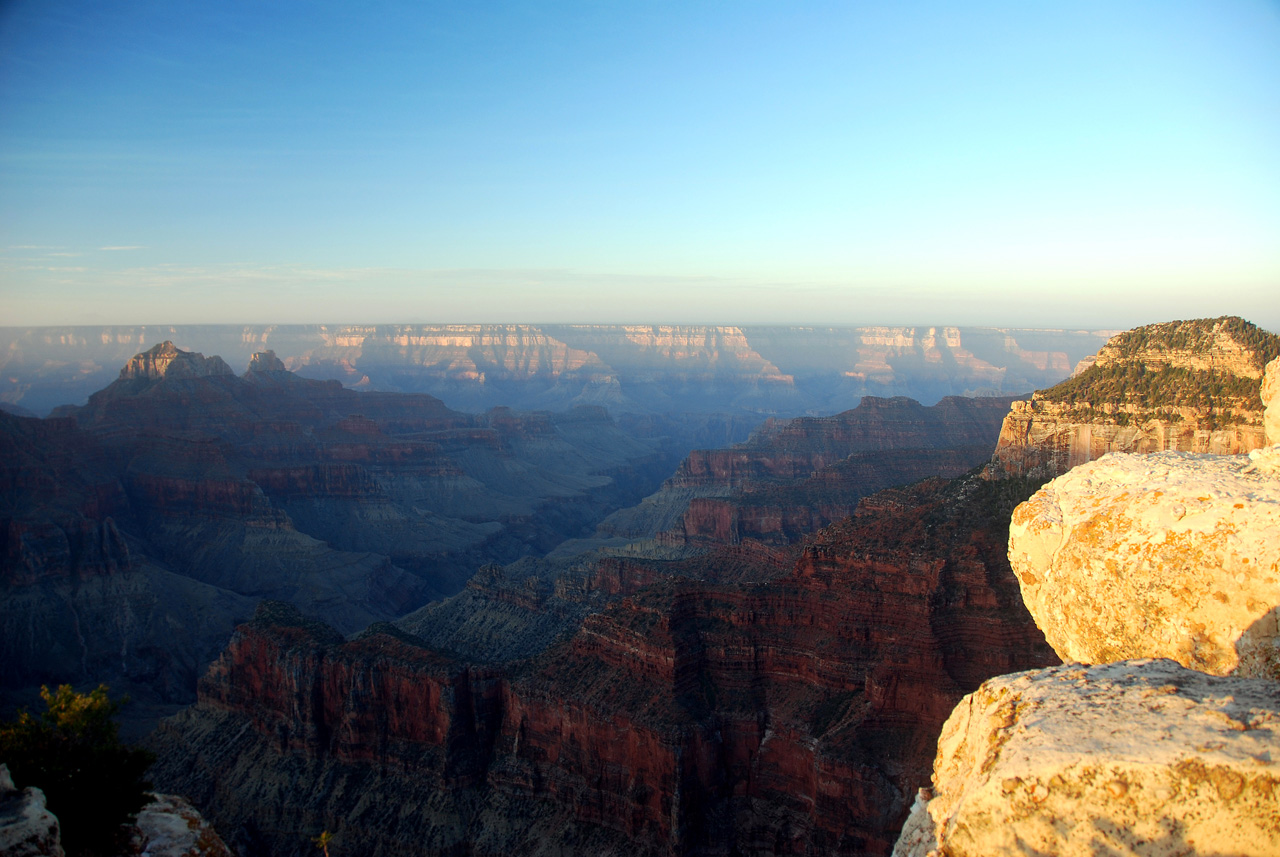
170, 826
1034, 763
1167, 555
27, 828
1271, 401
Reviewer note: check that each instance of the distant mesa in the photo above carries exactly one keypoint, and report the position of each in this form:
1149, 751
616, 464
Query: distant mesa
1190, 386
265, 361
651, 369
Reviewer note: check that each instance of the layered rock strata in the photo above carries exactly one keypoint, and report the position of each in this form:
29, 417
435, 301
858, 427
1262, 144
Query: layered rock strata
135, 532
1188, 386
1130, 556
793, 477
1138, 757
727, 515
1270, 395
791, 717
1169, 555
651, 369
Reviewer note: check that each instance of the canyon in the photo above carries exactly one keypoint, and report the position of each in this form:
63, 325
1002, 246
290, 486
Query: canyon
697, 717
141, 526
531, 641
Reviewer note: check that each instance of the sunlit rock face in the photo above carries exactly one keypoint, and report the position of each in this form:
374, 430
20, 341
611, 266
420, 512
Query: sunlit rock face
1271, 418
166, 360
1138, 757
1169, 555
1183, 385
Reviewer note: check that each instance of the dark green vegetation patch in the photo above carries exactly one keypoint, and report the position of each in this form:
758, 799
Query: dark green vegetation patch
1157, 391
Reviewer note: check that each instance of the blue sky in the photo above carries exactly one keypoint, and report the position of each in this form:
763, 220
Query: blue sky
1036, 164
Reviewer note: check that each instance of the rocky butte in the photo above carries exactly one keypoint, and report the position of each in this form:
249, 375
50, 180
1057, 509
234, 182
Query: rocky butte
1182, 385
1174, 557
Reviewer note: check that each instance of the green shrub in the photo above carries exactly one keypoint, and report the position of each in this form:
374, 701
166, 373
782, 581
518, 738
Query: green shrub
92, 782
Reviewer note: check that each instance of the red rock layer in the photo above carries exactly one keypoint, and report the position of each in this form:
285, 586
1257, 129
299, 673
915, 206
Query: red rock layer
795, 449
792, 717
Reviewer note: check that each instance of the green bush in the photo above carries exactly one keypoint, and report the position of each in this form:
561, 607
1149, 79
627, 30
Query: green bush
92, 782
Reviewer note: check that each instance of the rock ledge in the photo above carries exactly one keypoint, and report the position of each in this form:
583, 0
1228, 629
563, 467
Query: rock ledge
1034, 763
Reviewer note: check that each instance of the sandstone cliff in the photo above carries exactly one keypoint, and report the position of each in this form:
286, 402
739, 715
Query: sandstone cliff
1168, 555
1171, 555
793, 477
759, 498
1189, 386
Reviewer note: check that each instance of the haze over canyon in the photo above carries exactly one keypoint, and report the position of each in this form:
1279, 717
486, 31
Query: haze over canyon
575, 589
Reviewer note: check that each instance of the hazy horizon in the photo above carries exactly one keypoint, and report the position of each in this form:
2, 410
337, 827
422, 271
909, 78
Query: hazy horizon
1060, 166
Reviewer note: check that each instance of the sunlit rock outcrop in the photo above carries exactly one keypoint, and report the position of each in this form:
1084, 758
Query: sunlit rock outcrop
166, 360
1140, 757
1168, 555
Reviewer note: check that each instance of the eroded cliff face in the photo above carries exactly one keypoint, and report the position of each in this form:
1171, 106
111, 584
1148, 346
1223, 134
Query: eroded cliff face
692, 717
1169, 555
730, 515
166, 360
1186, 386
793, 477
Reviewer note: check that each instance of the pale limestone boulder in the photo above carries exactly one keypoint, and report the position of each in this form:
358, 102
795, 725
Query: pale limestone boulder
1132, 758
170, 826
1271, 401
27, 828
1166, 555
